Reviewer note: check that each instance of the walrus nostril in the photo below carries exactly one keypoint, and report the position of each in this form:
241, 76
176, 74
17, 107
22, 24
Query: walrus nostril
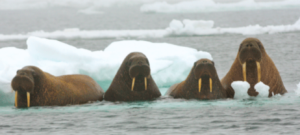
205, 61
22, 73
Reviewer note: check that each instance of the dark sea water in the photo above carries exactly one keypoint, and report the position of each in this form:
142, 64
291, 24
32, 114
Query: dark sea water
277, 115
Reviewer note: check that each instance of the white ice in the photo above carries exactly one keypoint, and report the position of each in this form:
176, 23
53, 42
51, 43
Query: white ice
297, 91
196, 6
241, 89
262, 89
169, 63
198, 28
175, 28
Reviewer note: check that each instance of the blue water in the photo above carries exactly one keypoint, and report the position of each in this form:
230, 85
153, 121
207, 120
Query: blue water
277, 115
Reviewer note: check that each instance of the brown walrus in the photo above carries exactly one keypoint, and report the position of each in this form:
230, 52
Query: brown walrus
202, 83
133, 81
253, 64
33, 87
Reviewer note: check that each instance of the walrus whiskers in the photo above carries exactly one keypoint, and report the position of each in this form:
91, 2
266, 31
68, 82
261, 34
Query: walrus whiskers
258, 71
28, 99
133, 81
145, 83
199, 83
210, 85
244, 72
16, 98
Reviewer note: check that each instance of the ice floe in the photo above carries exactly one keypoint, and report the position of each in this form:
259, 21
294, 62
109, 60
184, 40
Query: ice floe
169, 63
175, 28
196, 6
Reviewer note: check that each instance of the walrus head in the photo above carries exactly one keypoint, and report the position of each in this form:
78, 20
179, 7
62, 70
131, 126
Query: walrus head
250, 53
204, 71
139, 68
23, 85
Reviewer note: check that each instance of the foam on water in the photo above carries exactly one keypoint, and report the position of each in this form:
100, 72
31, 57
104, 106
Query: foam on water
176, 28
196, 6
240, 88
169, 63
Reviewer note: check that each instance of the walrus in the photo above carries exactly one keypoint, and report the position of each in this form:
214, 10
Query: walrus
33, 87
202, 83
133, 81
253, 64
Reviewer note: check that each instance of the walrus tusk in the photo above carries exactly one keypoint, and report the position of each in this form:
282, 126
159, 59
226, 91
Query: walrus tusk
133, 81
145, 83
16, 99
28, 99
210, 85
199, 85
258, 71
244, 72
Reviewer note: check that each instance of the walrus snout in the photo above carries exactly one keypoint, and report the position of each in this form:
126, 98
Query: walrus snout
250, 52
204, 69
23, 83
139, 69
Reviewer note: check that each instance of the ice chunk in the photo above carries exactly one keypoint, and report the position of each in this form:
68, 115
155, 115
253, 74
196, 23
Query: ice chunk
169, 63
196, 6
262, 89
241, 89
297, 91
176, 28
188, 27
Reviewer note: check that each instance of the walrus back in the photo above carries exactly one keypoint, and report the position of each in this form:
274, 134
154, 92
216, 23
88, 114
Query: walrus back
68, 89
174, 89
83, 85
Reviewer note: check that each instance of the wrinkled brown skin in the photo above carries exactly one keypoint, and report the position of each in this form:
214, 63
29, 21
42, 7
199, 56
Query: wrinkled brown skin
269, 73
134, 65
48, 90
189, 89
